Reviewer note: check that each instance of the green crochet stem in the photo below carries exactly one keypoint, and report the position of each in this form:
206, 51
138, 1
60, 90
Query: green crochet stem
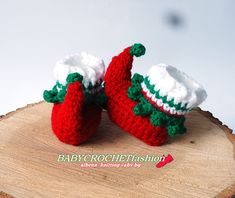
73, 78
58, 92
175, 125
137, 50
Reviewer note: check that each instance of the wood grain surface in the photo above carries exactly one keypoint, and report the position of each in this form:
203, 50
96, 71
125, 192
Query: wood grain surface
203, 163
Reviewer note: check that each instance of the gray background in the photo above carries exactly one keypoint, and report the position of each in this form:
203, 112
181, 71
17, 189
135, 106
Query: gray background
196, 36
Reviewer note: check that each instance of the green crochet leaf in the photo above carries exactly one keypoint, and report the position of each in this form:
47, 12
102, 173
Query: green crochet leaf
134, 91
50, 95
143, 108
137, 78
175, 125
158, 118
58, 92
60, 96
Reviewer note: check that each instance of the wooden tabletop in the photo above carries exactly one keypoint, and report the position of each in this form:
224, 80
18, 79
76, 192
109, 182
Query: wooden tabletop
203, 164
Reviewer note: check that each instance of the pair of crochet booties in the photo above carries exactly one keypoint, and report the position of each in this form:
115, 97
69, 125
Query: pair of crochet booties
150, 107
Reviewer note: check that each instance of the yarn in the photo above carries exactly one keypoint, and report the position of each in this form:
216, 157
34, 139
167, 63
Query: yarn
137, 50
73, 120
174, 125
93, 94
121, 108
174, 88
77, 98
151, 108
171, 102
90, 67
131, 107
73, 78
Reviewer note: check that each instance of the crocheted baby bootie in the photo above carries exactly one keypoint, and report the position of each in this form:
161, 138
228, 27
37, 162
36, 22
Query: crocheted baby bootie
120, 106
77, 97
139, 106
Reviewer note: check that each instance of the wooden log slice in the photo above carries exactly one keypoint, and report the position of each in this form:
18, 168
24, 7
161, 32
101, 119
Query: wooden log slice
203, 164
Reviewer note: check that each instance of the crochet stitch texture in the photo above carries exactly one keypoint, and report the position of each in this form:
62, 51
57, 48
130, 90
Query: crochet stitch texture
120, 107
73, 121
150, 107
77, 98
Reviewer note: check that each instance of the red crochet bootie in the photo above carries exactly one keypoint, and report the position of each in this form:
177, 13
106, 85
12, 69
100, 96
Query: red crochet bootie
120, 107
153, 106
77, 96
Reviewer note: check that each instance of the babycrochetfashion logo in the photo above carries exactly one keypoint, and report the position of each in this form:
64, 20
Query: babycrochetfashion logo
114, 160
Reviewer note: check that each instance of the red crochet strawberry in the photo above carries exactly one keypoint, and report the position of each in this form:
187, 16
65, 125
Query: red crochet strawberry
77, 98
